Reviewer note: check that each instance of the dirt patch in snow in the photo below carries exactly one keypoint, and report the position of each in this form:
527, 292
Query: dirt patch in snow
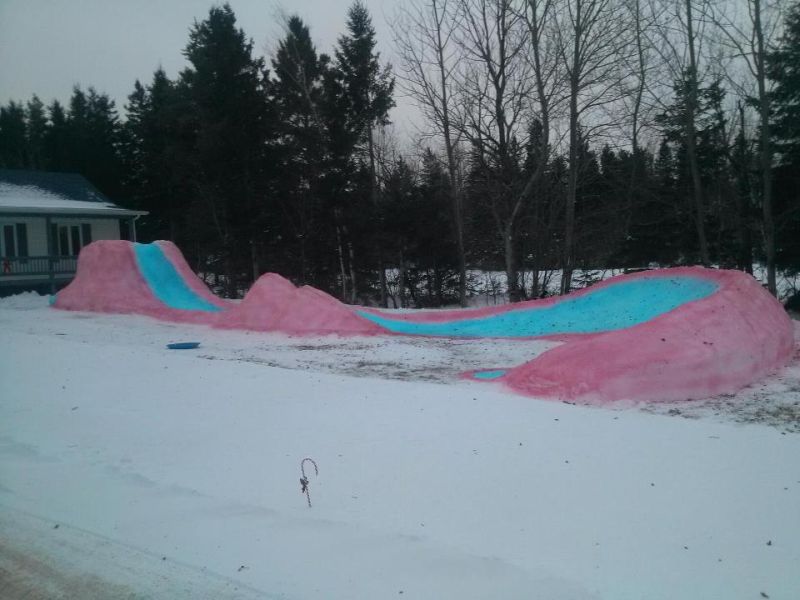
23, 575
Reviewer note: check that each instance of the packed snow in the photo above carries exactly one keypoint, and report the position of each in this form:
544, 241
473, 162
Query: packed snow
34, 197
131, 470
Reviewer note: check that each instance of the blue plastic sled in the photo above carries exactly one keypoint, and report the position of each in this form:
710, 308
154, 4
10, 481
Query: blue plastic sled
183, 345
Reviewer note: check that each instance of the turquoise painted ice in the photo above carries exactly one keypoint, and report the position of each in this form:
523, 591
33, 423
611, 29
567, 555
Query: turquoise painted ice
165, 282
612, 307
494, 374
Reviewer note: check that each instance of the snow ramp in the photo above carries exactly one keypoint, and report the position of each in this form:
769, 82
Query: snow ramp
152, 279
671, 334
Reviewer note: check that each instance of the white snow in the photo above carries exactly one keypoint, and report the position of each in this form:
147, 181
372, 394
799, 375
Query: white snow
31, 196
175, 474
35, 199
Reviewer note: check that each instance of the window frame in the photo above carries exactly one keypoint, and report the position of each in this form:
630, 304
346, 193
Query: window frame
14, 237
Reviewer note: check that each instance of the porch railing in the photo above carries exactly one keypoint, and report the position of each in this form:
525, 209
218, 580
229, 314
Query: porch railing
38, 265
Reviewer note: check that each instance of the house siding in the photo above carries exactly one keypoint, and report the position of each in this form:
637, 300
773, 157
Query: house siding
102, 229
37, 238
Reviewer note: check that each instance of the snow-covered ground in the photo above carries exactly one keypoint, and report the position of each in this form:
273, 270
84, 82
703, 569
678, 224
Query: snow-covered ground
129, 470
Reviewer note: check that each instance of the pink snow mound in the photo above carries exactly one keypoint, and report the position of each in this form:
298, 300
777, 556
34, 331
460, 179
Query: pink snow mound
275, 304
715, 345
108, 280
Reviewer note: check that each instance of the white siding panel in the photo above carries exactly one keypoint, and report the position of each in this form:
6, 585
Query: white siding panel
105, 229
37, 234
102, 229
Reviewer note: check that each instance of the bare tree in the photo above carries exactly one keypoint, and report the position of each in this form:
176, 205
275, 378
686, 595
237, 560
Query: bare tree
680, 33
593, 45
548, 76
497, 86
424, 40
749, 37
640, 70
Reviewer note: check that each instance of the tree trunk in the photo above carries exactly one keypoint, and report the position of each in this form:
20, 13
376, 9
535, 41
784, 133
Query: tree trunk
512, 275
230, 275
637, 104
401, 280
342, 272
572, 192
462, 254
374, 193
384, 291
766, 151
455, 194
574, 140
691, 142
353, 286
254, 260
743, 194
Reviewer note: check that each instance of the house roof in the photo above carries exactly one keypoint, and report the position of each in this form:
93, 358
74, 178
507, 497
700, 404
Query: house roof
50, 193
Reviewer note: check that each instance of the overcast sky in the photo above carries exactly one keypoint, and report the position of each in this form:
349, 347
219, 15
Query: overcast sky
47, 46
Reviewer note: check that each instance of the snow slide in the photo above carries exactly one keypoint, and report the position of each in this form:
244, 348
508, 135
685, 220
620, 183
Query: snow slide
670, 334
151, 279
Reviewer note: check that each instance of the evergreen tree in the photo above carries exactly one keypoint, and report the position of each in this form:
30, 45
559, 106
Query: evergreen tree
368, 86
56, 140
437, 250
87, 140
711, 152
13, 136
37, 126
152, 150
744, 166
226, 101
364, 90
784, 70
297, 94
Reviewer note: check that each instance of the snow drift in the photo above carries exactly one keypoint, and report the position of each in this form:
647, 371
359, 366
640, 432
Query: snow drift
713, 345
275, 304
151, 279
658, 335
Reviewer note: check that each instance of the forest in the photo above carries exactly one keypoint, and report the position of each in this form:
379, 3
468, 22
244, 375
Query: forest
552, 135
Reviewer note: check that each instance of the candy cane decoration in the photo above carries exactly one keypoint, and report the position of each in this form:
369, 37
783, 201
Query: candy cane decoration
304, 480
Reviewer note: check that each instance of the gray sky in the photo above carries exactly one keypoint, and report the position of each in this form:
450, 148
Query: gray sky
47, 46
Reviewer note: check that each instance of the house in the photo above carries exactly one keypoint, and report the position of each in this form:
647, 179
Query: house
45, 220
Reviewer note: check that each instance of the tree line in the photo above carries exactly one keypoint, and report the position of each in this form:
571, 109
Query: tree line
554, 134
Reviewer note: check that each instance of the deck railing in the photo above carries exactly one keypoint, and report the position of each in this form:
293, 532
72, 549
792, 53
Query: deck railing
38, 265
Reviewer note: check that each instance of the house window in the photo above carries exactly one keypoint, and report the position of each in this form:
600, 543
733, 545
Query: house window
63, 241
22, 240
69, 239
14, 240
75, 232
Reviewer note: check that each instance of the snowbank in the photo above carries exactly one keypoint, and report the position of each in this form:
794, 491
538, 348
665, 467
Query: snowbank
109, 279
669, 334
275, 304
714, 345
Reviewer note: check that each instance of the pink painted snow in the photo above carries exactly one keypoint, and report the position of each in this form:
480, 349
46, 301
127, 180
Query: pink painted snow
714, 345
710, 346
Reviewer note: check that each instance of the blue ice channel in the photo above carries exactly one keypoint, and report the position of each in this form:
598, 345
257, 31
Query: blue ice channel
492, 374
165, 282
612, 307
